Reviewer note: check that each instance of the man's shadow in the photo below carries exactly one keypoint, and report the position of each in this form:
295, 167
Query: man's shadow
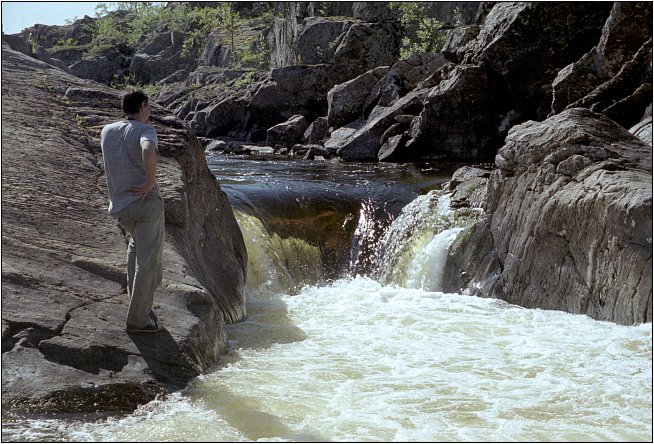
167, 362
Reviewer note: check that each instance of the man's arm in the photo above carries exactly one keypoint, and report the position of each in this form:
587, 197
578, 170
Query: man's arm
149, 153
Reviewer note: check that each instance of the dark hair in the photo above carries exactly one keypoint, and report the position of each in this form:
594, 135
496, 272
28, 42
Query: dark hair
132, 100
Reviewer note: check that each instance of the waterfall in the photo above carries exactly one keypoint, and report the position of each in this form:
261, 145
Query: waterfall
275, 264
413, 251
364, 253
409, 250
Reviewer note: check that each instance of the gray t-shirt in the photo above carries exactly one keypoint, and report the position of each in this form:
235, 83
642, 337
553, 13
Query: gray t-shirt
123, 160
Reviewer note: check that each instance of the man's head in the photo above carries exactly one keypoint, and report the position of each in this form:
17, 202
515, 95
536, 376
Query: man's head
136, 103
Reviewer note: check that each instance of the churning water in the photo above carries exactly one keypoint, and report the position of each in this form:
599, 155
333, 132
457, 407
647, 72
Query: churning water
390, 358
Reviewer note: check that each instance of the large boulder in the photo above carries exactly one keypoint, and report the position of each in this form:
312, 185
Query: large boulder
570, 218
365, 143
461, 119
404, 76
318, 39
366, 46
345, 102
17, 43
300, 89
528, 61
287, 134
64, 301
101, 67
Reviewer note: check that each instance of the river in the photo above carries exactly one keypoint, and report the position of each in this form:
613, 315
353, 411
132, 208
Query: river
338, 347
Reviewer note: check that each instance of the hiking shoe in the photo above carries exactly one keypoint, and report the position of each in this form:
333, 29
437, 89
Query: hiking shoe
151, 327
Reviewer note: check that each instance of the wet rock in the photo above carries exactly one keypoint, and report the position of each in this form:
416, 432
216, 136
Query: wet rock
216, 146
584, 243
472, 265
339, 137
469, 187
63, 276
392, 149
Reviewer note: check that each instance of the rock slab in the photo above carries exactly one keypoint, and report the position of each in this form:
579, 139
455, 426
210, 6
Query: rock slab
64, 348
570, 218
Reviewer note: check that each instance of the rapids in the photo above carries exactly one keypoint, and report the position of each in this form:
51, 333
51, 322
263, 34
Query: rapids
348, 337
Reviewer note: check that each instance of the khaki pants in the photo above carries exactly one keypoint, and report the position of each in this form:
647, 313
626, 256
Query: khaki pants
144, 221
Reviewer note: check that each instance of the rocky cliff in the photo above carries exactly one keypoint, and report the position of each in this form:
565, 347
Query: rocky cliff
64, 298
569, 207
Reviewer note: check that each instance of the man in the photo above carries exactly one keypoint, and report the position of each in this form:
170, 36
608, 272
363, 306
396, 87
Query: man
130, 150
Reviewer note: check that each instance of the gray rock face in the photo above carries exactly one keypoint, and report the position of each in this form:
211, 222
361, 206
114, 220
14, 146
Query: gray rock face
318, 39
643, 130
17, 43
288, 133
460, 118
402, 77
316, 131
529, 61
101, 67
345, 101
160, 58
64, 301
215, 53
365, 143
570, 215
624, 97
627, 28
300, 89
366, 46
504, 78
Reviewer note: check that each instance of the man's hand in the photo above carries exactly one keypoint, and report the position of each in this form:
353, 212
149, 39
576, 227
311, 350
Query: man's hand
149, 153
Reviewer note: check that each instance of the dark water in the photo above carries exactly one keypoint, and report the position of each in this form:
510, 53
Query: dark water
333, 205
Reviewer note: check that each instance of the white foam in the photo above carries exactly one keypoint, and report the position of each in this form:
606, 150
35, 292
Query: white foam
358, 361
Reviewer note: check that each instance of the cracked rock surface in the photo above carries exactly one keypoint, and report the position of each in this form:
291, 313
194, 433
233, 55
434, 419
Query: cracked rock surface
570, 215
568, 221
64, 301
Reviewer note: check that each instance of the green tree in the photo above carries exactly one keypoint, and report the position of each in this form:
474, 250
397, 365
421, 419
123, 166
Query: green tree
421, 32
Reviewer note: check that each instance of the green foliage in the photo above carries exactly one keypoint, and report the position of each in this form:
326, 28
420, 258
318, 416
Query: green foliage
255, 59
124, 81
144, 19
245, 80
421, 32
66, 43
